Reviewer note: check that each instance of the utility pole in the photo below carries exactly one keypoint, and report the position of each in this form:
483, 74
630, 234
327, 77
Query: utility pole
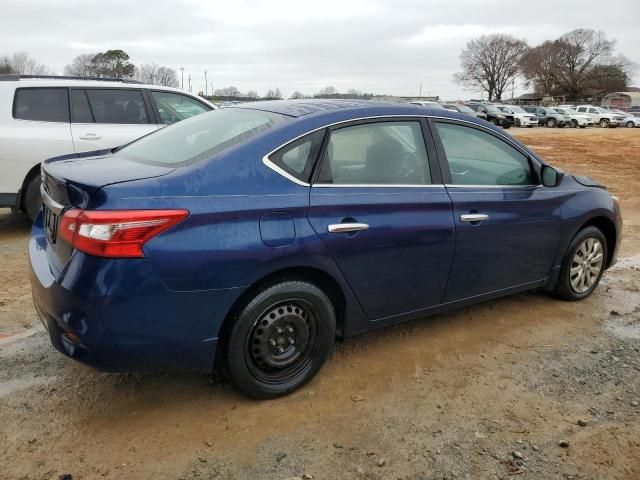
513, 82
182, 76
212, 89
189, 83
206, 85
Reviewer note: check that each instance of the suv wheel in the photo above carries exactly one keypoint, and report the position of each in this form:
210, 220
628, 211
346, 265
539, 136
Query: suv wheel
494, 121
604, 122
518, 123
551, 122
583, 265
32, 201
574, 123
629, 124
280, 339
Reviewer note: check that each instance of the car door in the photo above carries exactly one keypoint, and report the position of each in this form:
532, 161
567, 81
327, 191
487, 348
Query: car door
507, 224
380, 208
108, 117
39, 130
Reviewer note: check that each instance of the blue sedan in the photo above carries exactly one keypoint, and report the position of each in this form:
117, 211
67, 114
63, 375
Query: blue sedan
248, 239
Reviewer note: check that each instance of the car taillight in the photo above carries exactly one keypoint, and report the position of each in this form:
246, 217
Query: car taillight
115, 233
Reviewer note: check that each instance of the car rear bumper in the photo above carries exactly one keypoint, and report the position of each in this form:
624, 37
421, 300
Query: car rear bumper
116, 315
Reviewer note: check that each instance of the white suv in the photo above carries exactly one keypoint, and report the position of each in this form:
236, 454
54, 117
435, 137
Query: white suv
520, 115
44, 117
601, 116
582, 120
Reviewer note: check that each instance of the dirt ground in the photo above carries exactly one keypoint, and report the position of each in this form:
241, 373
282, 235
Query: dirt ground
487, 392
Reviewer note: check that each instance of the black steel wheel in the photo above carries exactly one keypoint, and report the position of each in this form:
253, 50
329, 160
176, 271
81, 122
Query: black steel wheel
280, 339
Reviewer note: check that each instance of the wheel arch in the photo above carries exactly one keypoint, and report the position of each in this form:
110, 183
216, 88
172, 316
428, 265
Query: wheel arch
33, 172
318, 277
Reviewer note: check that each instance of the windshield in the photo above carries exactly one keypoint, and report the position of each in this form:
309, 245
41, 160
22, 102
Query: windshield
518, 109
552, 110
199, 137
505, 109
492, 109
464, 109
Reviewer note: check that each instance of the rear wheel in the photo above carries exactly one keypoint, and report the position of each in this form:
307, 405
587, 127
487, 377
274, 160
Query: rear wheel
551, 122
280, 340
518, 123
493, 121
32, 201
604, 122
583, 265
574, 123
629, 124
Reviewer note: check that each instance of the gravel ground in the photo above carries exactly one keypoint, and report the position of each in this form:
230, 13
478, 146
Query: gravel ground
525, 386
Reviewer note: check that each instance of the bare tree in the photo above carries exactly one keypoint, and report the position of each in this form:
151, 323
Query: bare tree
167, 77
539, 67
147, 73
81, 66
5, 65
579, 51
490, 63
227, 92
298, 95
23, 64
252, 94
327, 91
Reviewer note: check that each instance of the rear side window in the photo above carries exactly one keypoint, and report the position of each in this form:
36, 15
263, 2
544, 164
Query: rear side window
41, 104
80, 111
385, 153
174, 107
298, 158
118, 106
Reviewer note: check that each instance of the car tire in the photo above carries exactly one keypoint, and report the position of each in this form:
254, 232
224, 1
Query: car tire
629, 125
604, 123
582, 269
494, 121
32, 200
561, 125
280, 339
518, 123
551, 122
573, 124
583, 126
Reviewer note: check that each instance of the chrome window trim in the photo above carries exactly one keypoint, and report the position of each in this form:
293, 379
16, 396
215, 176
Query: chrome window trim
532, 187
268, 163
376, 185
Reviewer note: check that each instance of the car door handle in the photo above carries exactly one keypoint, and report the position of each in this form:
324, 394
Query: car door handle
474, 217
347, 227
90, 136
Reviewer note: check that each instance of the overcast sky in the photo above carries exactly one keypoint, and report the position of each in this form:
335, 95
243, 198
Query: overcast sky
375, 46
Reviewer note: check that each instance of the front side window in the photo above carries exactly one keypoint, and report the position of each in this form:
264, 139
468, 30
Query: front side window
385, 153
118, 106
174, 107
200, 137
41, 104
479, 158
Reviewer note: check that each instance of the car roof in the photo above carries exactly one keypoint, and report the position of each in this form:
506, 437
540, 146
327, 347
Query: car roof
358, 108
16, 81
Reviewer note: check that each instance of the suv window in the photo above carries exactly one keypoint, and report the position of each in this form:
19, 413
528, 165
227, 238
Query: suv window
298, 158
384, 153
479, 158
41, 104
118, 106
593, 110
80, 111
174, 107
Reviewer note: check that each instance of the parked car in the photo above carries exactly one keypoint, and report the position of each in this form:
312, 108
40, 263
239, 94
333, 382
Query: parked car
629, 120
426, 104
601, 116
581, 120
522, 117
494, 115
458, 107
549, 117
46, 116
249, 237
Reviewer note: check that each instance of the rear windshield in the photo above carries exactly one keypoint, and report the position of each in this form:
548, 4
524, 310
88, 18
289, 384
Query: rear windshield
200, 137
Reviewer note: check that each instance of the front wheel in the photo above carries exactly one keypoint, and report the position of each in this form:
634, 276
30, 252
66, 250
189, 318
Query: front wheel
280, 339
551, 122
604, 123
573, 124
583, 265
629, 125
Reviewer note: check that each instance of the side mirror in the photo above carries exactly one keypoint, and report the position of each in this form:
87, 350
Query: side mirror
551, 177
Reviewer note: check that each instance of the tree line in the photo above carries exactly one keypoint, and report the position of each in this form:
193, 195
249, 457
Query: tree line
580, 64
233, 93
108, 64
